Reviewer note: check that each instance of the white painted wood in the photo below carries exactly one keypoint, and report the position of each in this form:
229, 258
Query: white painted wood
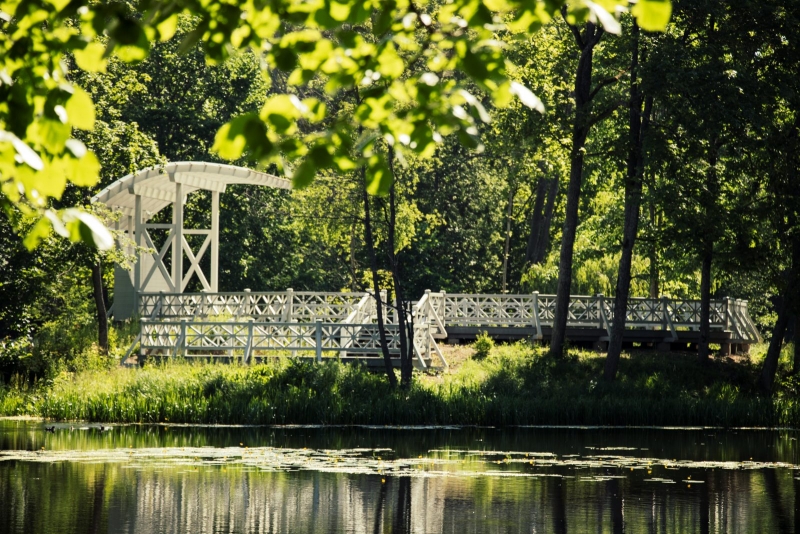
177, 237
214, 286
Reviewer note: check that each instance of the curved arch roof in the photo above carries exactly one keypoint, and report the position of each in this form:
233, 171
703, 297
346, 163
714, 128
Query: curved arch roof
156, 185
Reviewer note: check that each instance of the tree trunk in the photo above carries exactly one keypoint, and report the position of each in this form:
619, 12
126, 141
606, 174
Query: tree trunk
509, 212
785, 307
703, 352
709, 200
796, 351
544, 230
100, 303
638, 122
583, 82
541, 220
654, 274
537, 220
376, 287
405, 327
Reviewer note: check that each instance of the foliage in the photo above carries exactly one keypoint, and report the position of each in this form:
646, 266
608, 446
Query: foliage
483, 346
356, 46
515, 385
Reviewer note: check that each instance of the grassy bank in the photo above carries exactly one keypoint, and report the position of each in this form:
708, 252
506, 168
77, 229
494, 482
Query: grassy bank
513, 385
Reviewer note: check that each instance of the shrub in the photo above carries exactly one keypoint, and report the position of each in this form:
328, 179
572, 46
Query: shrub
483, 345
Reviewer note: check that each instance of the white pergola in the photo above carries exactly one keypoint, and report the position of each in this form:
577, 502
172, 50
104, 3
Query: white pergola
139, 196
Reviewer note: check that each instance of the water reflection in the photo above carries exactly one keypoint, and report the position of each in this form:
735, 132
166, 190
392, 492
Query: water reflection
156, 479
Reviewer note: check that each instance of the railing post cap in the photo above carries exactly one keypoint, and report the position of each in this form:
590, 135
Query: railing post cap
247, 290
288, 289
427, 291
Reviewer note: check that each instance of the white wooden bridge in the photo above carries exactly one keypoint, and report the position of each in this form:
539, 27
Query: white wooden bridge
251, 325
171, 258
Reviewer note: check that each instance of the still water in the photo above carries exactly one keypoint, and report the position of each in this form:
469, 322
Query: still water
174, 479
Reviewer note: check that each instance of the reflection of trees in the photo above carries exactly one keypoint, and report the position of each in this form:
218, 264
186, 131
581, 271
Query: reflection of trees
703, 512
773, 492
614, 491
97, 508
402, 516
80, 498
377, 528
560, 506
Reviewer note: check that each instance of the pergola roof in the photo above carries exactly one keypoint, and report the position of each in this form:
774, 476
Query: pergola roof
156, 185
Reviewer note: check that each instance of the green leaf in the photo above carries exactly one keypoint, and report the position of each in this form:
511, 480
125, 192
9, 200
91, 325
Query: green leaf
304, 174
390, 64
40, 230
378, 177
26, 153
52, 134
80, 110
87, 228
167, 27
84, 172
652, 15
91, 58
232, 138
339, 12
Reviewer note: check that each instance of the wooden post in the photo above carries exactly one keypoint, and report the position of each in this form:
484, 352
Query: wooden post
536, 321
248, 358
214, 241
177, 239
318, 339
181, 345
139, 228
248, 307
287, 306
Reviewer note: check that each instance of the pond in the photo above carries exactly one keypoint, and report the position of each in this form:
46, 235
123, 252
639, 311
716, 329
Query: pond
90, 478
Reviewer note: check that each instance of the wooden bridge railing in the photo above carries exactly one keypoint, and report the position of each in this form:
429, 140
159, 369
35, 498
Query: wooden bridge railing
345, 322
535, 310
246, 339
286, 306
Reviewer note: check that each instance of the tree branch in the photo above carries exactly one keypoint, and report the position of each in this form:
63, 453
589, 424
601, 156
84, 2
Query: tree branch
573, 29
604, 83
606, 113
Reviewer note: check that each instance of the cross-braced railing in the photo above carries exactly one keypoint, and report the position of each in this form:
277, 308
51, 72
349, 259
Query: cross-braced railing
285, 306
535, 310
246, 339
344, 323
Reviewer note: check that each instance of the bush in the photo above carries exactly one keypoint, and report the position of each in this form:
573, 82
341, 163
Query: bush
483, 346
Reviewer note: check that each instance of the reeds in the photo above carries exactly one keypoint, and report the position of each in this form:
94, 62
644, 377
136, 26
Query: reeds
515, 385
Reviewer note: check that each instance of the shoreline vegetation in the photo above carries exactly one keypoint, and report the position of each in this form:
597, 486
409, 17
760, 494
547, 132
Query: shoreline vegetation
516, 384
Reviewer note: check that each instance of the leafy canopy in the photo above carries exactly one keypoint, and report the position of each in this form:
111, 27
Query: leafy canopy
405, 65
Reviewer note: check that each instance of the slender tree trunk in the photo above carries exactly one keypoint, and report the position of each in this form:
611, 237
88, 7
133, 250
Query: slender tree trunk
353, 264
100, 303
376, 287
541, 220
537, 220
796, 351
654, 275
638, 122
703, 352
507, 245
583, 82
405, 327
707, 239
785, 307
544, 230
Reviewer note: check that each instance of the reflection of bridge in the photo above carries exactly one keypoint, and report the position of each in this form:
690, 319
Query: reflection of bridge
172, 258
251, 325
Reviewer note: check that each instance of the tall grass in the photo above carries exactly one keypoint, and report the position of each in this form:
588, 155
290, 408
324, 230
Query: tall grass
515, 385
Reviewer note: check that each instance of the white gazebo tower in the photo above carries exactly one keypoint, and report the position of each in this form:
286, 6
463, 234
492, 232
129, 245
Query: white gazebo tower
139, 196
